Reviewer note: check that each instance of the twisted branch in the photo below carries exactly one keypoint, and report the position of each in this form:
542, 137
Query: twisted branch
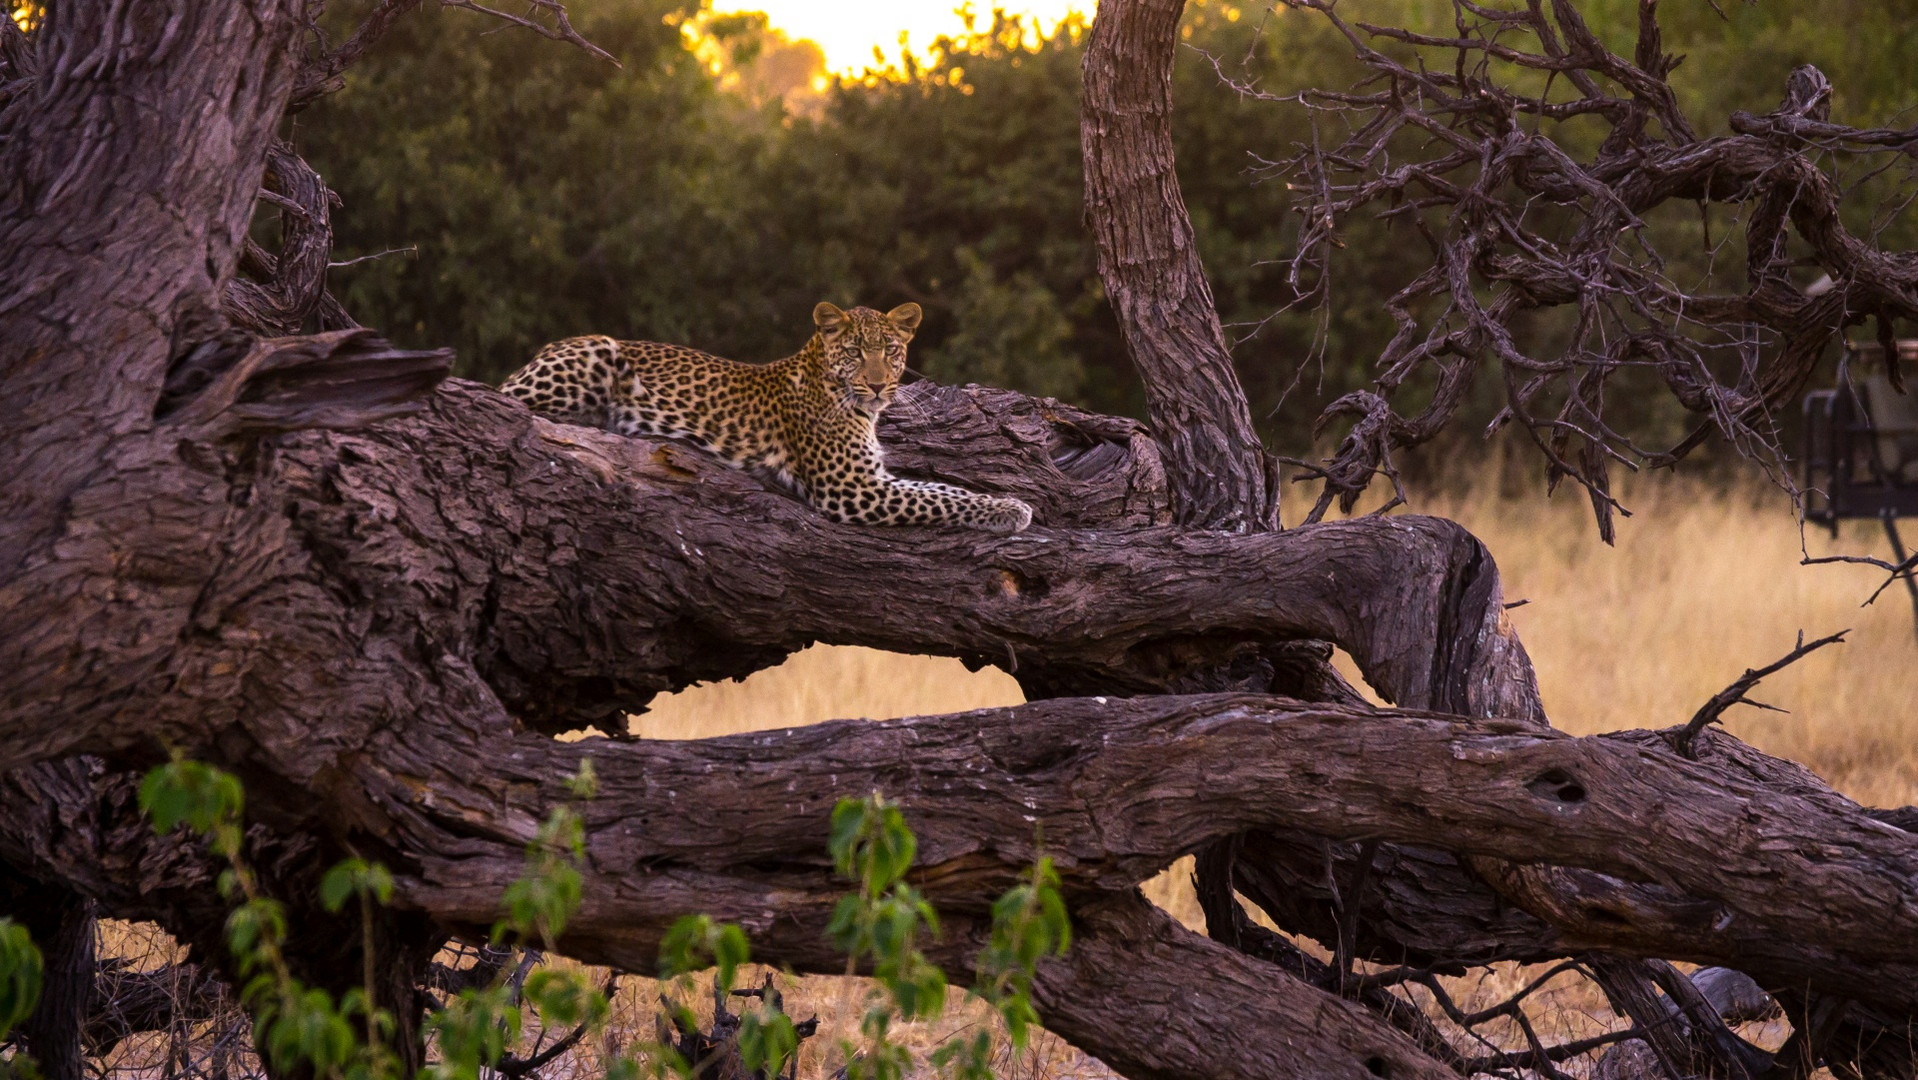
1456, 137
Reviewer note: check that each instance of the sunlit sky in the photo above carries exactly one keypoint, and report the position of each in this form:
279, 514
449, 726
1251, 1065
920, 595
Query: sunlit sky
847, 30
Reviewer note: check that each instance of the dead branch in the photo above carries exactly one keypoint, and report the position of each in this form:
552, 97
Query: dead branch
1450, 139
324, 71
285, 289
1735, 693
514, 1066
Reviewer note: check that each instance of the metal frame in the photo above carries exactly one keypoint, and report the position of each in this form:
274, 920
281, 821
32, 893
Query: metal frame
1841, 471
1841, 477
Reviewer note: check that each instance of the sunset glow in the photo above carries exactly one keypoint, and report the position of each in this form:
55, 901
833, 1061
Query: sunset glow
849, 30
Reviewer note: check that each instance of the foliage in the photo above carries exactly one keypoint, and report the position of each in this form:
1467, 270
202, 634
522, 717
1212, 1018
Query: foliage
880, 925
21, 969
697, 195
295, 1025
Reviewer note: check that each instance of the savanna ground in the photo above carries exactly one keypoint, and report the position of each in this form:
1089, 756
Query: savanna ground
1704, 581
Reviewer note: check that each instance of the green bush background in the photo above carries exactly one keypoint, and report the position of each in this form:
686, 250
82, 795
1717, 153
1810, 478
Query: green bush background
702, 193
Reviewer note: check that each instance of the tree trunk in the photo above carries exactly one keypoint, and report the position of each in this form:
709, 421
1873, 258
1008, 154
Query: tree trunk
377, 597
1149, 262
62, 924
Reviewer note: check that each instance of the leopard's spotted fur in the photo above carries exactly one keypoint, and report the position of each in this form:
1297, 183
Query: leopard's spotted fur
810, 418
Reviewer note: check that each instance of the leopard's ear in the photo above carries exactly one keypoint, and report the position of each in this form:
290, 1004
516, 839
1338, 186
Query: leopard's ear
827, 318
906, 317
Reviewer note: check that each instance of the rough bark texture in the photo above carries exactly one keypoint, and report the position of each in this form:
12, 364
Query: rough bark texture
129, 178
576, 574
1149, 262
288, 288
376, 597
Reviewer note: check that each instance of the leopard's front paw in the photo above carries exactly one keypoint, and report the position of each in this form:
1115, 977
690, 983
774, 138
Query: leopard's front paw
1008, 516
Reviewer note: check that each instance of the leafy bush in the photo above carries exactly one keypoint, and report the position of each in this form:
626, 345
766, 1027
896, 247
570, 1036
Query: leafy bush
879, 925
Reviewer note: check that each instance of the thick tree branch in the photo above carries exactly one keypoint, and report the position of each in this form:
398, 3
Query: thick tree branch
515, 540
286, 289
1149, 261
131, 173
461, 800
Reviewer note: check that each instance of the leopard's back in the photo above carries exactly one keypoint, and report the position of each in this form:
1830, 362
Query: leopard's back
654, 388
728, 407
571, 381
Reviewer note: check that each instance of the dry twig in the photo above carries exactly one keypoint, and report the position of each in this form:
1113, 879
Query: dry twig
1453, 136
1735, 693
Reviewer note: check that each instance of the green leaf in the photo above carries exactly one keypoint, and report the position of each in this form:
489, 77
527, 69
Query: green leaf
355, 877
730, 950
338, 886
541, 902
190, 793
848, 825
966, 1058
21, 970
565, 998
473, 1030
584, 784
306, 1030
254, 930
696, 942
1028, 923
767, 1040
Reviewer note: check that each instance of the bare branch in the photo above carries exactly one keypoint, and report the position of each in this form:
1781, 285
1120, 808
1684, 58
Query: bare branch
1444, 143
324, 74
513, 1066
560, 28
1735, 693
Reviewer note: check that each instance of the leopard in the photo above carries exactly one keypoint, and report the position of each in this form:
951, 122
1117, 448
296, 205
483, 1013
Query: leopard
809, 420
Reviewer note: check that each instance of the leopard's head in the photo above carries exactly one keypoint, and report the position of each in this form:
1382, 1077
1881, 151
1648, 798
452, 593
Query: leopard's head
865, 353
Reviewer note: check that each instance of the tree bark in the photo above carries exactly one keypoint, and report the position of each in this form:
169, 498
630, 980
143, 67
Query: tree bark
1149, 262
130, 175
62, 925
377, 596
74, 827
364, 544
513, 542
1134, 967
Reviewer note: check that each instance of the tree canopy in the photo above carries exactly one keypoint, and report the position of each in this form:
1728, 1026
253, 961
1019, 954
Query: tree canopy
701, 193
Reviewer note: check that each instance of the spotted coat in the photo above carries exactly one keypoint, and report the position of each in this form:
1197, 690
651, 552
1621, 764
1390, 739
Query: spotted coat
811, 418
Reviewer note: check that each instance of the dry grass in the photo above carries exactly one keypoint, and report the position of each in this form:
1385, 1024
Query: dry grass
1704, 582
826, 683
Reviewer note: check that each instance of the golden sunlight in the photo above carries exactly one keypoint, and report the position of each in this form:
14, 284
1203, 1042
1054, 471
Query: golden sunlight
848, 31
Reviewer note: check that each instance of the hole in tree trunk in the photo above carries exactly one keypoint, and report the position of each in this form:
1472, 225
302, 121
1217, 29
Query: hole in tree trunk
1558, 786
826, 682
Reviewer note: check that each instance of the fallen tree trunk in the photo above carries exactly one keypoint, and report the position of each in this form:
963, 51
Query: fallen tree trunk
713, 825
580, 573
651, 530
